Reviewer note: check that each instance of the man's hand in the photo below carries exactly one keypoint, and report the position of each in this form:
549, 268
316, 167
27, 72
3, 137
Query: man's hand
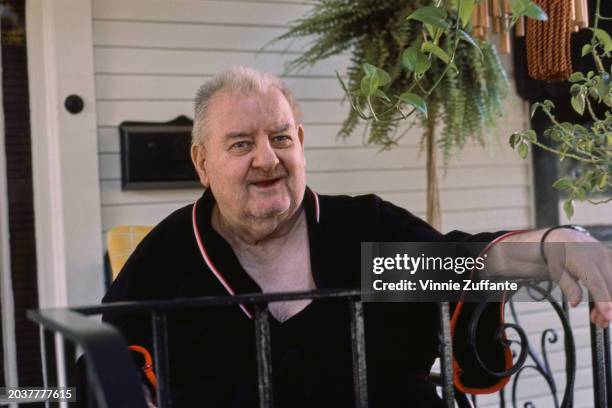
572, 257
587, 261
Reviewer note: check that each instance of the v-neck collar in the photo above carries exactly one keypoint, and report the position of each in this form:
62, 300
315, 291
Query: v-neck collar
222, 262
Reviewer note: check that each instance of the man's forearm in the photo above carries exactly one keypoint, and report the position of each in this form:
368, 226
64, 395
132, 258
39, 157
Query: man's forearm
520, 256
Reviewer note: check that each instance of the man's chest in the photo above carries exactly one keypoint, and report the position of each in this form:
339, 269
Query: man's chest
283, 268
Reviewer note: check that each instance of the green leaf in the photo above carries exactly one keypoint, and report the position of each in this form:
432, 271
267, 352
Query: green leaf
563, 183
586, 48
414, 100
534, 109
431, 15
435, 50
578, 103
603, 84
575, 89
514, 138
568, 208
580, 130
369, 69
523, 150
432, 30
380, 94
369, 85
465, 14
553, 134
422, 64
603, 181
415, 60
518, 6
409, 57
381, 76
548, 104
468, 38
531, 135
576, 76
604, 38
373, 79
532, 10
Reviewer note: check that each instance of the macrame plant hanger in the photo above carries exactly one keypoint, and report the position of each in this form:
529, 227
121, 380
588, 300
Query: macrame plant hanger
547, 42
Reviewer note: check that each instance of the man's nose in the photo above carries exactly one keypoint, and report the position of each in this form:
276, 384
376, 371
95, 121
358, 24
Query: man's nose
265, 156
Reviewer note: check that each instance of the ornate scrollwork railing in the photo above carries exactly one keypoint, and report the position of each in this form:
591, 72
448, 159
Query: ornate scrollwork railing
536, 362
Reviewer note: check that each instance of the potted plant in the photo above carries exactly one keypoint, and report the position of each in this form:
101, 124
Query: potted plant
588, 144
412, 57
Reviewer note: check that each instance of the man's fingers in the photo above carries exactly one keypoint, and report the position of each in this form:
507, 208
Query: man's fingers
604, 309
595, 283
571, 289
598, 319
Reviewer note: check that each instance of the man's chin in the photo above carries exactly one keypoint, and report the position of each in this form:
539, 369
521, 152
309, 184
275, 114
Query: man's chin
270, 210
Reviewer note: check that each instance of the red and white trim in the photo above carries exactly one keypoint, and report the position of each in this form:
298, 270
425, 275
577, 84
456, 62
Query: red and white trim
208, 261
316, 206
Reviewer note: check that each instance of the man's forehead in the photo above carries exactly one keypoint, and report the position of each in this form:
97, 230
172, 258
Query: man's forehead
231, 111
267, 101
247, 131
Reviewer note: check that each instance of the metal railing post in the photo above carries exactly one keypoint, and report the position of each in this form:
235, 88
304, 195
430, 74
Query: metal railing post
160, 352
360, 378
264, 355
601, 377
446, 354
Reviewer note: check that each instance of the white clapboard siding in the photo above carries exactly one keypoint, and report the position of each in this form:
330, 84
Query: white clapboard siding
586, 213
166, 87
192, 37
112, 60
220, 12
151, 55
112, 113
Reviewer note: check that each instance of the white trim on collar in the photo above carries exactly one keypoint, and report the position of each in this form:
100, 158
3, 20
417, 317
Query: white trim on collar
316, 204
208, 261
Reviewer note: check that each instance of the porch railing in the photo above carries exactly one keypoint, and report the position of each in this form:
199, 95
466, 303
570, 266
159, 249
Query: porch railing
113, 381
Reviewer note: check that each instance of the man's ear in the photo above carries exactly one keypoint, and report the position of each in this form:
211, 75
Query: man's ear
300, 130
198, 157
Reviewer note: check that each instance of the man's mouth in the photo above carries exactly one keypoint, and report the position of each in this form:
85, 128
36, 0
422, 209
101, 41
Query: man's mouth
267, 183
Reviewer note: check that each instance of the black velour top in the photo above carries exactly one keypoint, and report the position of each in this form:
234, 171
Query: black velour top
212, 350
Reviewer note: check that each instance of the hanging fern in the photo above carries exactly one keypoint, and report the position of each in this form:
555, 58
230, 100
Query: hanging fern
376, 32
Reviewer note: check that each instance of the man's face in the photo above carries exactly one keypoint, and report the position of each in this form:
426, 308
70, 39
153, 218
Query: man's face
252, 156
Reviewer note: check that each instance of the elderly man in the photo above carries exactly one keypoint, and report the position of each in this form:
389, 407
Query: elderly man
259, 228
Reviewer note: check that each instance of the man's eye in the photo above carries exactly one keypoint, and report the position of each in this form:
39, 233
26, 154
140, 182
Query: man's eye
240, 145
281, 140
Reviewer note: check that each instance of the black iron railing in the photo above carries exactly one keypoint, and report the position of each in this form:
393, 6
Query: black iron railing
114, 382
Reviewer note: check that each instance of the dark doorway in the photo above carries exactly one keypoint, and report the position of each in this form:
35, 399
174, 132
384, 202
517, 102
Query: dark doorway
19, 186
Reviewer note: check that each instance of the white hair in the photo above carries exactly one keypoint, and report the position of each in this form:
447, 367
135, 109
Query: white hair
239, 79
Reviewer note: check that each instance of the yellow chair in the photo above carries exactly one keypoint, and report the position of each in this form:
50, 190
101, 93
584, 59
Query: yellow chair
121, 242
